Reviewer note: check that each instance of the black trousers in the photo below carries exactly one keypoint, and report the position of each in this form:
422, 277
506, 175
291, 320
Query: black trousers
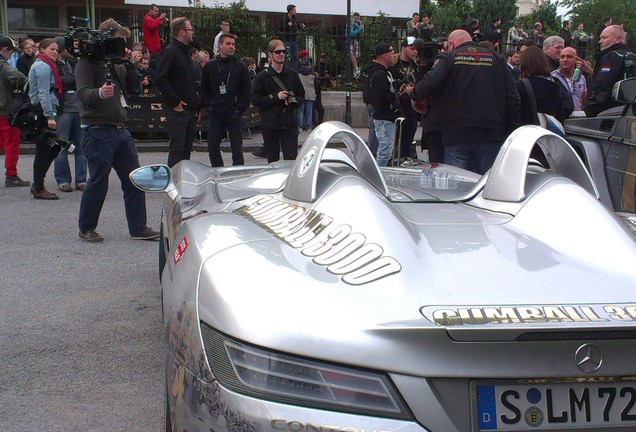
276, 139
218, 124
44, 157
181, 127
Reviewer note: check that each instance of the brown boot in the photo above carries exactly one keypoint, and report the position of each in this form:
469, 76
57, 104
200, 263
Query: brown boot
43, 194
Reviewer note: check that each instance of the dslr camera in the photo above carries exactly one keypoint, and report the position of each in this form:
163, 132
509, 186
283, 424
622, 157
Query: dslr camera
51, 138
292, 102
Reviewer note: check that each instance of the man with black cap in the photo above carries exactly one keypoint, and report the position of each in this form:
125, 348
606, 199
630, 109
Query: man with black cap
68, 126
10, 78
405, 70
383, 98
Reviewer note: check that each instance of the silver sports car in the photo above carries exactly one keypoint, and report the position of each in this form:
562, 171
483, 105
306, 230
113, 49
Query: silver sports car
327, 294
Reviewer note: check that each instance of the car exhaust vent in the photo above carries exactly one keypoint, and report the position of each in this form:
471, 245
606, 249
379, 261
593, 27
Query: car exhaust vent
606, 126
577, 335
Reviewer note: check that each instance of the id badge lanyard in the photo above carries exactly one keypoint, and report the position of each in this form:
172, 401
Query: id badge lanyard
224, 80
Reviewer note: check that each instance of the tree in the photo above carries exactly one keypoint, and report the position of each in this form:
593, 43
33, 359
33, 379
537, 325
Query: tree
449, 15
547, 14
486, 10
592, 12
206, 20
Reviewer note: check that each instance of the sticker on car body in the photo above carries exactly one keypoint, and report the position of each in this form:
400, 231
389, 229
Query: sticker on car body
180, 250
335, 246
528, 314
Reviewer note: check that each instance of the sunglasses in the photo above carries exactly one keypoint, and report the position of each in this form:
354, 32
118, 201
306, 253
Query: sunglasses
279, 51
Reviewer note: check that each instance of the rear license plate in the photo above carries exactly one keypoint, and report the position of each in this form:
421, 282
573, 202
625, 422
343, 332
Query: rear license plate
555, 406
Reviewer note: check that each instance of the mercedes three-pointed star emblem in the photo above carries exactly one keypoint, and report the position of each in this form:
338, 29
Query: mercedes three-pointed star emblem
588, 358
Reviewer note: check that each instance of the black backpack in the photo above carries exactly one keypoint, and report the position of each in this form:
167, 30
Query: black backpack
23, 114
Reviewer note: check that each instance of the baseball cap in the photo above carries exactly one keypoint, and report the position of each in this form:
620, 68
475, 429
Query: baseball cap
409, 40
303, 53
381, 48
7, 42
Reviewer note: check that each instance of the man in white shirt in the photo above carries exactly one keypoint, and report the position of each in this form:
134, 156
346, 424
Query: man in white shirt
225, 29
565, 73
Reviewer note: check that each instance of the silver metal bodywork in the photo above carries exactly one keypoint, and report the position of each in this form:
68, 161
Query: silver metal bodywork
607, 144
434, 278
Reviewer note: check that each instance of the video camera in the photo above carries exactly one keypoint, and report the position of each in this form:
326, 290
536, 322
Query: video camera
94, 44
426, 52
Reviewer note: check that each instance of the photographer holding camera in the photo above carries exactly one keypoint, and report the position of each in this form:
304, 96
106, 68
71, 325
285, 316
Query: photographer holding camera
107, 144
278, 93
151, 26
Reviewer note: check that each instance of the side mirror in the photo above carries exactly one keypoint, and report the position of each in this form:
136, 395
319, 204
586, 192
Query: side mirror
151, 178
625, 91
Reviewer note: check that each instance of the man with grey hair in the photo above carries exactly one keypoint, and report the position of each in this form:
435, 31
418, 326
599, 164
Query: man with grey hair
615, 63
552, 47
174, 76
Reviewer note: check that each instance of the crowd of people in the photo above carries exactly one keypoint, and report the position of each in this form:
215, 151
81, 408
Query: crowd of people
472, 91
467, 90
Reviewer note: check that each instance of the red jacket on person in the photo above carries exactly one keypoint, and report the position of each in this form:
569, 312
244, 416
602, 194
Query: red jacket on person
152, 40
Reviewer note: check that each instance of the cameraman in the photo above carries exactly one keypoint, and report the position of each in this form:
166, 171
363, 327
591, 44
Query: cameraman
106, 143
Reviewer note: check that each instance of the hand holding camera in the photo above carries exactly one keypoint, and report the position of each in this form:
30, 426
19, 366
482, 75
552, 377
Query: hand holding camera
107, 91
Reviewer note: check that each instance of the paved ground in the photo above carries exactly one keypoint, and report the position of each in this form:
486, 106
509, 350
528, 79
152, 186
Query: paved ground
80, 323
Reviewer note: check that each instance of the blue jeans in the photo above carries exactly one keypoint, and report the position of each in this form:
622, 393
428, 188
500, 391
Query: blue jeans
306, 112
372, 141
291, 57
472, 157
384, 131
217, 125
109, 148
68, 128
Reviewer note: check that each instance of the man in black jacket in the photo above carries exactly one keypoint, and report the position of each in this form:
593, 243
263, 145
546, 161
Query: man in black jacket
406, 70
225, 92
288, 28
27, 58
277, 106
614, 63
478, 102
175, 78
384, 98
566, 34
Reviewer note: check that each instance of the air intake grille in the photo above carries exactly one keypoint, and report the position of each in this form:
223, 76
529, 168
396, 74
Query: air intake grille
606, 126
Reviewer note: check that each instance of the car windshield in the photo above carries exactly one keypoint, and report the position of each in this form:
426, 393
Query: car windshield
425, 183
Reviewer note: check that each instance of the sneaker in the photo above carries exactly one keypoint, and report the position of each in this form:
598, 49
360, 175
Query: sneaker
16, 181
81, 187
65, 187
147, 234
91, 236
43, 194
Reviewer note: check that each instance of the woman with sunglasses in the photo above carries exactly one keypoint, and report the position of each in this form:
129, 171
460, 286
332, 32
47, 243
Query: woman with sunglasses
278, 93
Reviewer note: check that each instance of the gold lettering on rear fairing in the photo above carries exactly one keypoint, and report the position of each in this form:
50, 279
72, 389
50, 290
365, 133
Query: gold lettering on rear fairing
329, 244
531, 314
